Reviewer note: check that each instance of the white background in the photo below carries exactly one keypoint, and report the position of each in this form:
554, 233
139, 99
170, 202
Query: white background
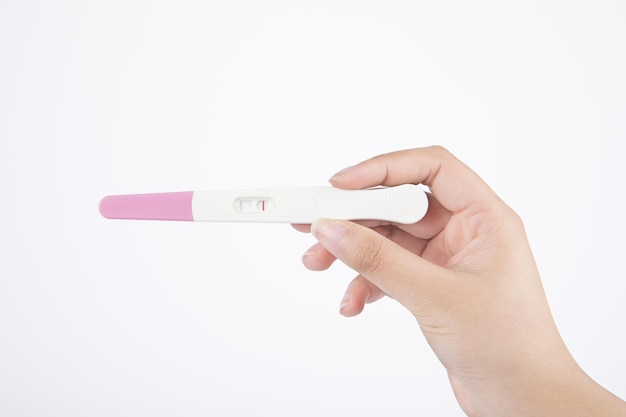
102, 317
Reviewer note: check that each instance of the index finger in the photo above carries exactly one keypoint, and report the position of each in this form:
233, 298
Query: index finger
452, 182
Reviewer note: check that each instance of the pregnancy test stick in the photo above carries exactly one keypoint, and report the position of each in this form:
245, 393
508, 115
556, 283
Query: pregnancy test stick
400, 204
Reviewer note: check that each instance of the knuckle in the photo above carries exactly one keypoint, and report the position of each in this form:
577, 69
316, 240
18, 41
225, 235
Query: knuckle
370, 258
440, 151
514, 219
502, 219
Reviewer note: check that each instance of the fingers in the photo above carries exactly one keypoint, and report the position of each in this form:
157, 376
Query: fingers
304, 228
453, 184
317, 258
359, 292
387, 261
395, 270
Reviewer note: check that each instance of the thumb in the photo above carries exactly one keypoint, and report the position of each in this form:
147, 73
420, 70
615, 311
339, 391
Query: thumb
401, 274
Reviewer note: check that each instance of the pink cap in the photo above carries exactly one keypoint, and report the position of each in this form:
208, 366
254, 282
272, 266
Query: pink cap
161, 206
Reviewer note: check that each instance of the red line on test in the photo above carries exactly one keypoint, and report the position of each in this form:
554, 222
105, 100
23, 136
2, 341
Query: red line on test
262, 205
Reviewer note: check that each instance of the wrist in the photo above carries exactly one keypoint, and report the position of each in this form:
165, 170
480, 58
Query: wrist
555, 390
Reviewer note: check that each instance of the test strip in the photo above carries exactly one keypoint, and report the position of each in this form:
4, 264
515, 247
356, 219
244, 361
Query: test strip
405, 204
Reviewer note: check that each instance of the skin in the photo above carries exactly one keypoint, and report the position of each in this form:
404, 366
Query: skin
467, 274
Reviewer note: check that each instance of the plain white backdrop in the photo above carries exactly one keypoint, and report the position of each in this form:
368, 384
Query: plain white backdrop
102, 317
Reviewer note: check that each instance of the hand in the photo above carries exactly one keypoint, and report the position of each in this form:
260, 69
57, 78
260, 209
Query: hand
467, 274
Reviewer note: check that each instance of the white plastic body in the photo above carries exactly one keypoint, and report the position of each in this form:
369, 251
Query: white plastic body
400, 204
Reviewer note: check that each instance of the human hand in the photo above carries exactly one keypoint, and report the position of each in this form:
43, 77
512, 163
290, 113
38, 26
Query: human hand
467, 274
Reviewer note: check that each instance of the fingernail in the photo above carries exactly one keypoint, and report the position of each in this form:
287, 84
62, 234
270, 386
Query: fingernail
312, 251
308, 253
340, 174
345, 302
328, 232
